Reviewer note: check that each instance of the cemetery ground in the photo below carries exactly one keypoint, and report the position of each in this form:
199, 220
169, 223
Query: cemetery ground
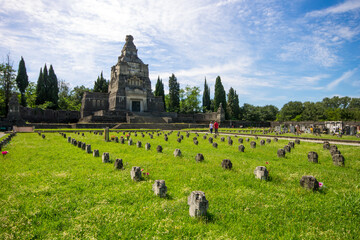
51, 189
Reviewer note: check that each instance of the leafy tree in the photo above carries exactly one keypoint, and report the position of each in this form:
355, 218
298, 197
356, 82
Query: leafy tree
101, 85
206, 102
174, 94
290, 111
220, 95
52, 87
30, 95
7, 83
22, 81
76, 96
232, 104
159, 90
313, 112
268, 113
250, 113
189, 100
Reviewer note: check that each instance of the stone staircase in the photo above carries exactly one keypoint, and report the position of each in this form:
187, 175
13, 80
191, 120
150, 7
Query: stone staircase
132, 117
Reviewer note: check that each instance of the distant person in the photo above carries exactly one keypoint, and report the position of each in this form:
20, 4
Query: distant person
216, 126
211, 125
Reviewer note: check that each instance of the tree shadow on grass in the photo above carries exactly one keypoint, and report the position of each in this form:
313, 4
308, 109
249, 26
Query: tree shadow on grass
208, 218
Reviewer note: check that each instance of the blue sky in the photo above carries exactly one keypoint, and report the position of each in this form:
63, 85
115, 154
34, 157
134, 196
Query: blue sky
269, 51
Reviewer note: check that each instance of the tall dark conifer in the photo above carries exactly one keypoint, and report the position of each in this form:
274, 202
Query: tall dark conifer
22, 81
174, 94
40, 89
101, 85
53, 87
159, 90
220, 95
232, 105
206, 102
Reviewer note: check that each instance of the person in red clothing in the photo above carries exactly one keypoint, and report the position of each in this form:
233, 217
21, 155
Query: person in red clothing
216, 127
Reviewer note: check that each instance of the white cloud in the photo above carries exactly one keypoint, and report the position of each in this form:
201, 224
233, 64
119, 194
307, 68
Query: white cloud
342, 78
347, 6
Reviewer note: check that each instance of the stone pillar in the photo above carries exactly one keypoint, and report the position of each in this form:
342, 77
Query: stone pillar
198, 204
159, 188
106, 133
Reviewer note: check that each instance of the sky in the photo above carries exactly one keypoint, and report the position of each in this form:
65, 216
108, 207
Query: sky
269, 51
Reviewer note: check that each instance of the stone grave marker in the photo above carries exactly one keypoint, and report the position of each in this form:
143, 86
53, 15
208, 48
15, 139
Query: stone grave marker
230, 142
326, 145
226, 164
262, 142
177, 153
313, 157
105, 157
247, 139
179, 140
118, 164
138, 144
210, 140
88, 148
291, 144
83, 146
287, 148
261, 173
215, 145
253, 144
268, 140
309, 182
135, 174
281, 153
240, 140
338, 160
204, 137
96, 153
159, 149
198, 204
275, 139
222, 139
297, 141
147, 146
69, 139
130, 142
241, 148
159, 188
196, 142
199, 157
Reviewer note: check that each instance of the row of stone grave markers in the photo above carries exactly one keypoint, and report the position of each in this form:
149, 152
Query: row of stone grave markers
198, 204
6, 140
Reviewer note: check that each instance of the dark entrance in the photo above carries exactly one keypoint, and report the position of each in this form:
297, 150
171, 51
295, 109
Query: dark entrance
135, 106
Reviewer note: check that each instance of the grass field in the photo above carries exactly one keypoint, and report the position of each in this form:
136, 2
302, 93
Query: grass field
51, 189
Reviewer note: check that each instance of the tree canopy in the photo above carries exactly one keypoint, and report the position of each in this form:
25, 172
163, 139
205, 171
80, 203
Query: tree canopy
22, 81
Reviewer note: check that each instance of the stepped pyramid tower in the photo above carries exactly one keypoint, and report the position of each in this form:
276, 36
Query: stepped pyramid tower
129, 90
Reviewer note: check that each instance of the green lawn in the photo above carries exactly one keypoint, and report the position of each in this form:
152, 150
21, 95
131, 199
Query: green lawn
51, 189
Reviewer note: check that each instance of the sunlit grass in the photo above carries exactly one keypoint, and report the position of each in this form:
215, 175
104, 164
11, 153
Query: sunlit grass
52, 189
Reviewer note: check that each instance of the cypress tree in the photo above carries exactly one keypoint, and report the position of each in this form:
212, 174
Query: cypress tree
220, 95
47, 94
53, 87
40, 89
22, 81
206, 98
159, 90
174, 94
232, 104
101, 85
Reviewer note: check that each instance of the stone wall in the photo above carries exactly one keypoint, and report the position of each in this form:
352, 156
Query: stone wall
36, 115
92, 102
